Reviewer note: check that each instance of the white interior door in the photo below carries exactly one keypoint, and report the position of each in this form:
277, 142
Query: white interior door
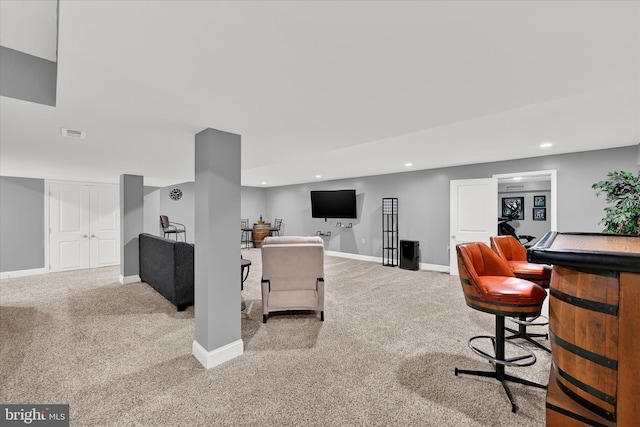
84, 224
474, 214
69, 227
104, 226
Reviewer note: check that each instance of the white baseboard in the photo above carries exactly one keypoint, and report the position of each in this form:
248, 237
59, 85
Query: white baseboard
129, 279
434, 267
354, 256
212, 358
422, 265
23, 273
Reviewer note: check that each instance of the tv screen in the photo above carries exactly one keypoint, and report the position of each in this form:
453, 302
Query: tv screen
333, 204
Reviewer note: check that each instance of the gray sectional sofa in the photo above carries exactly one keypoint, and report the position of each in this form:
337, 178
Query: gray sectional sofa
167, 266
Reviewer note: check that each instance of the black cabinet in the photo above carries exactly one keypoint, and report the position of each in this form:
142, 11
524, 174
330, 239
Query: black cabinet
410, 254
390, 231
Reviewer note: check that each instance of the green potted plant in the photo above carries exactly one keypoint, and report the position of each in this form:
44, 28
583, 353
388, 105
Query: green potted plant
622, 190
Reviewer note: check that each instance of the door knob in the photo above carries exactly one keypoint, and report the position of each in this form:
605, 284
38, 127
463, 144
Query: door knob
84, 236
93, 235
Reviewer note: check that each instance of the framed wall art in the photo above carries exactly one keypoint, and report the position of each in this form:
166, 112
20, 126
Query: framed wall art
539, 201
513, 207
539, 214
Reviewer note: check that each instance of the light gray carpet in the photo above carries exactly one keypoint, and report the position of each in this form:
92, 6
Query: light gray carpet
385, 355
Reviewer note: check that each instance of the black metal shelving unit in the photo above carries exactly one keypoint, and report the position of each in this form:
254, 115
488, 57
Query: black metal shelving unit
390, 240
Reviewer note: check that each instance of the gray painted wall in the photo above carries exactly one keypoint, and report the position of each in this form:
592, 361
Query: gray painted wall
423, 198
423, 205
131, 223
528, 190
253, 203
151, 207
21, 223
157, 202
27, 77
181, 210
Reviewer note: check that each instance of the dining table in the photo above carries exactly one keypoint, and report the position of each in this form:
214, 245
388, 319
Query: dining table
258, 233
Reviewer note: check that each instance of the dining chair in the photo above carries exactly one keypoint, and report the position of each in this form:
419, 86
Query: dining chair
277, 223
171, 227
245, 235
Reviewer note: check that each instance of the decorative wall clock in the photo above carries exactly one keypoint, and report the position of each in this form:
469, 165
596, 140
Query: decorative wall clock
175, 194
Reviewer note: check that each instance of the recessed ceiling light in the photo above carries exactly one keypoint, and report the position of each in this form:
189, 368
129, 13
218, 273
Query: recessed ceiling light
70, 133
318, 176
408, 164
517, 178
546, 145
264, 182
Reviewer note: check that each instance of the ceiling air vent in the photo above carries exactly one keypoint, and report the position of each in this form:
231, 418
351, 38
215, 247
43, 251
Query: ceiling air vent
70, 133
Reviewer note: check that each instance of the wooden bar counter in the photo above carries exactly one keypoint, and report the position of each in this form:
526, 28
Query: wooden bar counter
594, 328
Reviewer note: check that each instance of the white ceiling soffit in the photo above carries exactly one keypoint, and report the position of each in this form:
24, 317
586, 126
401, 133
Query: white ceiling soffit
339, 89
30, 26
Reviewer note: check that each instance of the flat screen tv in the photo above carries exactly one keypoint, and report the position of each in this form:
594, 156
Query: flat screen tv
333, 204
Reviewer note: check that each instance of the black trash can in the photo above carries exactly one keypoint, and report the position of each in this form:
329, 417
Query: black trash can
409, 254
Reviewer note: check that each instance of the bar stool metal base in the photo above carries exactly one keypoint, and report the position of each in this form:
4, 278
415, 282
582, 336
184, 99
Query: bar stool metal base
522, 331
502, 377
500, 361
526, 358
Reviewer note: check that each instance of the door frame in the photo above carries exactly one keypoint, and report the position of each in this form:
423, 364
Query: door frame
47, 225
552, 174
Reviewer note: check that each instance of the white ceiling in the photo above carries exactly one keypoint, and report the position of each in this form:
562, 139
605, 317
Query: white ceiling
339, 89
30, 27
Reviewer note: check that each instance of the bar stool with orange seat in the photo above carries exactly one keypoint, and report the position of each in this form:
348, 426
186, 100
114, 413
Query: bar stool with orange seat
490, 286
511, 250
